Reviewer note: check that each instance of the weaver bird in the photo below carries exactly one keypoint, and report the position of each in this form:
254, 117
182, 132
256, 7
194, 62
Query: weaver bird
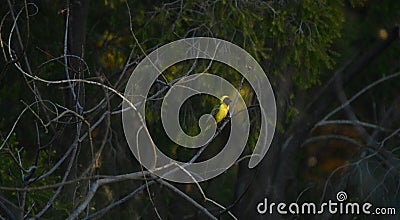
221, 110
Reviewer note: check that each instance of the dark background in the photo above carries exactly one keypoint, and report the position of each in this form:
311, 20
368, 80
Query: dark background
63, 151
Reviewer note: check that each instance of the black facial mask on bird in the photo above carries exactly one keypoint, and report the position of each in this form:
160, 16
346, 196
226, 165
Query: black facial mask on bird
227, 101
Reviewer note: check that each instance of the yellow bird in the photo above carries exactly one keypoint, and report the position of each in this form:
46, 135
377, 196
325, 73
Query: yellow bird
221, 110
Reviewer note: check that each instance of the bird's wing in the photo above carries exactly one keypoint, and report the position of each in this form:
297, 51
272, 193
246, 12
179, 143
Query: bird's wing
214, 110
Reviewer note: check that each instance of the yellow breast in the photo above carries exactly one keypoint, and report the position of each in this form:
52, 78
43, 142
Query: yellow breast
222, 112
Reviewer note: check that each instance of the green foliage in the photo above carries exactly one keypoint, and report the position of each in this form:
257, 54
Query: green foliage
11, 175
358, 3
291, 113
296, 34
